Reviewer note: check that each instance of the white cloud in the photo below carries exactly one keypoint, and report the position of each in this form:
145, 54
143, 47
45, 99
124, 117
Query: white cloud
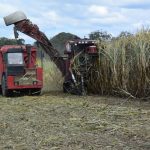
5, 9
126, 2
116, 3
53, 19
141, 24
80, 17
98, 10
115, 18
48, 18
53, 16
103, 16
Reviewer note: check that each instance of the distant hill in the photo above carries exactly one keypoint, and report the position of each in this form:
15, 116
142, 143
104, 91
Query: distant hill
60, 40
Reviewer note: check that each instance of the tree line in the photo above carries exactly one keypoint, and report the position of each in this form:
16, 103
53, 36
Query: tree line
96, 35
7, 41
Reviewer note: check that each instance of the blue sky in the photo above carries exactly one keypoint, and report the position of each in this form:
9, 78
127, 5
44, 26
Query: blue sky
79, 17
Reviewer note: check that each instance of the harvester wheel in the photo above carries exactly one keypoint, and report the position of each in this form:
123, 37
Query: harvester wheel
14, 17
68, 87
5, 91
65, 87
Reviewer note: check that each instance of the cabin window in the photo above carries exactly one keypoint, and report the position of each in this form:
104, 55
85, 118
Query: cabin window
15, 58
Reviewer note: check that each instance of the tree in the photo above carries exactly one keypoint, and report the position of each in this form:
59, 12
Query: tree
125, 34
6, 41
21, 41
100, 35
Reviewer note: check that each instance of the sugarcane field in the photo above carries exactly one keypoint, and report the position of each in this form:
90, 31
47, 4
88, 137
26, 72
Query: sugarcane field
75, 75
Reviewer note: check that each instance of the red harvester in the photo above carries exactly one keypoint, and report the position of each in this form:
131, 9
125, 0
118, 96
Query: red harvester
18, 70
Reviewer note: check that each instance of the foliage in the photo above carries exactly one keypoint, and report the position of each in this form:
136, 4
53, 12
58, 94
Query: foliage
6, 41
124, 66
100, 35
125, 34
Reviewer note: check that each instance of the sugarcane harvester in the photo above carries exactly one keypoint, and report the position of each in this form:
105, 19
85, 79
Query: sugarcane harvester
80, 55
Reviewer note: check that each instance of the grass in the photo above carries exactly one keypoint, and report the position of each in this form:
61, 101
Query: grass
60, 121
124, 66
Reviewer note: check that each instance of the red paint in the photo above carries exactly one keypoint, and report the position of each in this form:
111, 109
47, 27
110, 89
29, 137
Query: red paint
11, 85
27, 65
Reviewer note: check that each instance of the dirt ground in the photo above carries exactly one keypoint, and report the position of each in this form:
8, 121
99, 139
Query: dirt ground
57, 121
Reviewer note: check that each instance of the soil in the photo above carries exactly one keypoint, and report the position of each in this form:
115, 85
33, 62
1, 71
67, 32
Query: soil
58, 121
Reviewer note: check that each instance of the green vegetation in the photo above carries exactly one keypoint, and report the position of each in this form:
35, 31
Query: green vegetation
6, 41
100, 35
124, 66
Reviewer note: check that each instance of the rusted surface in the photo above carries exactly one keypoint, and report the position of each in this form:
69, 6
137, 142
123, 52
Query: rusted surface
32, 30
